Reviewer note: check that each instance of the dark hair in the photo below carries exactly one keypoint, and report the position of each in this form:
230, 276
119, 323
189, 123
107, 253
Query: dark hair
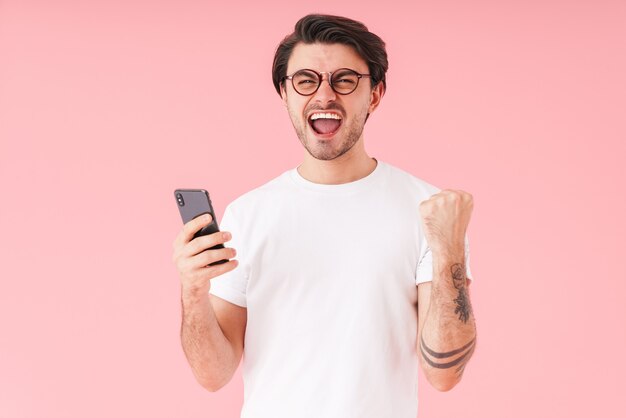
330, 29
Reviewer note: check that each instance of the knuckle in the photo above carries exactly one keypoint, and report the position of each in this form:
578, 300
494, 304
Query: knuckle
207, 241
225, 253
208, 256
187, 228
194, 246
213, 255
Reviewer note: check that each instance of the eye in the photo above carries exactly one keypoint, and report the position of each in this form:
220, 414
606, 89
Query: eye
345, 78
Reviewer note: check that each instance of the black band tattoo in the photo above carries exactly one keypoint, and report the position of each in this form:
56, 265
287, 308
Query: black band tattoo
461, 367
449, 353
464, 307
461, 361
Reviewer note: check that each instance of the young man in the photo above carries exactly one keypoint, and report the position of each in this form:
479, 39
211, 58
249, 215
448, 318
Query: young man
349, 270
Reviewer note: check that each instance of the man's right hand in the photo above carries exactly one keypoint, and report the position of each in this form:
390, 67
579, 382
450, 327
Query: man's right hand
192, 260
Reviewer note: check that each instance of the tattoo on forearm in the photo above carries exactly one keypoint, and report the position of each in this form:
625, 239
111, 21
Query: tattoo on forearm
449, 353
461, 368
464, 307
458, 275
461, 361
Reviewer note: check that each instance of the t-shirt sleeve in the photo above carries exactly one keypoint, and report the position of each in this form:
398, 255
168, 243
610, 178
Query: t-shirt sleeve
231, 286
425, 266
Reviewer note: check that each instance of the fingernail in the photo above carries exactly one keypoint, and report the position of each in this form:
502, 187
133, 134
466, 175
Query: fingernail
227, 235
207, 217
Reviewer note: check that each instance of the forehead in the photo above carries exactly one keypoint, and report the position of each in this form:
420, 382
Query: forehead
325, 57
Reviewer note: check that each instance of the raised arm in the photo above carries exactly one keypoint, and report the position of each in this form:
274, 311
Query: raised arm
446, 336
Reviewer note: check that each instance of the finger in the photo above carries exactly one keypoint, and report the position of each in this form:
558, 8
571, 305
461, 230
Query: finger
204, 242
190, 228
209, 256
219, 269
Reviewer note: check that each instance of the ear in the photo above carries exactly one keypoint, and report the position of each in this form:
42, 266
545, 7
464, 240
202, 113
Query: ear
376, 96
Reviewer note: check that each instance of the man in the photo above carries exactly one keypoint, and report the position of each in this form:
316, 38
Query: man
349, 269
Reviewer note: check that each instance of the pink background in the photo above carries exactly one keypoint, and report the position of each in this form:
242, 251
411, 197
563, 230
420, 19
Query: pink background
107, 106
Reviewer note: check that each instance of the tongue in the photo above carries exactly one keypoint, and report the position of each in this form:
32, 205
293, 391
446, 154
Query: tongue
325, 126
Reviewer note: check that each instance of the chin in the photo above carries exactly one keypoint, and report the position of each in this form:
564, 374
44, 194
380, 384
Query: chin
325, 151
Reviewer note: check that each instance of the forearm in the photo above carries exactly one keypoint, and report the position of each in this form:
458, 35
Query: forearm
448, 335
208, 351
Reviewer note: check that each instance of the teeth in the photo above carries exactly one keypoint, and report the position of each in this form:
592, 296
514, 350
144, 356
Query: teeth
325, 116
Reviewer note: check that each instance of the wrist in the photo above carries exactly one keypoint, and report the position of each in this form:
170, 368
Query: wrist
454, 253
445, 258
194, 293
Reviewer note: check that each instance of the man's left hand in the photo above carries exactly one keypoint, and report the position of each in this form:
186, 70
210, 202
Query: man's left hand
445, 217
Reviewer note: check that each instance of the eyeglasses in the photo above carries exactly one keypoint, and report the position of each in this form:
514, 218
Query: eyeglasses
343, 81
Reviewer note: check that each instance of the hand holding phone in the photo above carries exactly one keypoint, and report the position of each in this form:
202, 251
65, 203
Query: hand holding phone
199, 251
193, 203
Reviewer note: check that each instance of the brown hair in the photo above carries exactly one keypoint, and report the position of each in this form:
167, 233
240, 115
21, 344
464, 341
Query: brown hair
330, 29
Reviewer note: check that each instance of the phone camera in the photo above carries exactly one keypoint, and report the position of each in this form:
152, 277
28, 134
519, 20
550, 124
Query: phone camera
179, 198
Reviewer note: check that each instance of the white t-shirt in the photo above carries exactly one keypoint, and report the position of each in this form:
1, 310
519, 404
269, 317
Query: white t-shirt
328, 274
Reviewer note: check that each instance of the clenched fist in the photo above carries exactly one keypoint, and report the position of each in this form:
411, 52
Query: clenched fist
445, 217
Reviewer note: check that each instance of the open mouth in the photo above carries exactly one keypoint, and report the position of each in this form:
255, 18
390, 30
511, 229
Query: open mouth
325, 124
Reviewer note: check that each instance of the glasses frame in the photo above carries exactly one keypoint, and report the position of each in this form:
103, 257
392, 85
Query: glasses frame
330, 80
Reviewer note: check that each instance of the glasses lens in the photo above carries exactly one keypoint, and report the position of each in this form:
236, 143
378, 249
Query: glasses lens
305, 82
345, 81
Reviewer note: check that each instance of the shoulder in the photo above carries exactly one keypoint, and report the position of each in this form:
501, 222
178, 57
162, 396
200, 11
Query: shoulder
405, 181
262, 195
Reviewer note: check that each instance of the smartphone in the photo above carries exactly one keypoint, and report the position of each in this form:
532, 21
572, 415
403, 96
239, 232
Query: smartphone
193, 203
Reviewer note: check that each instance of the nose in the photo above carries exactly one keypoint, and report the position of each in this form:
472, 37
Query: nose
325, 92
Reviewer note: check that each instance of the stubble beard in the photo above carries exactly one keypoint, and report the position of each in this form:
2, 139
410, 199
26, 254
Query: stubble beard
326, 150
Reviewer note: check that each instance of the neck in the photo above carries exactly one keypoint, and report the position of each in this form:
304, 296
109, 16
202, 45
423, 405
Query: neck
351, 166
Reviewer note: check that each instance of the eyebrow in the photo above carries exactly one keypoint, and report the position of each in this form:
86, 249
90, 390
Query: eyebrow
343, 69
305, 70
